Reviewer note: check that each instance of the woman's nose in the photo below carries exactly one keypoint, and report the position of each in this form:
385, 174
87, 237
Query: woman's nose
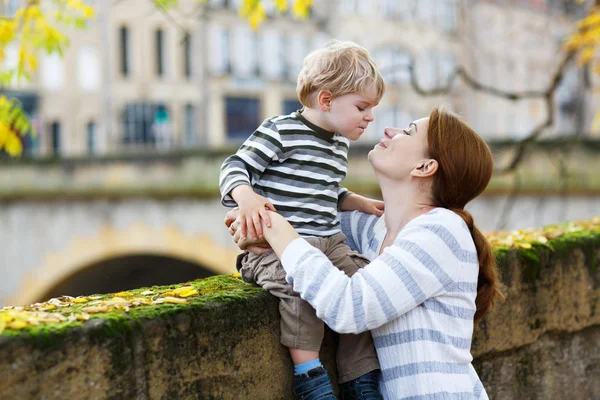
391, 132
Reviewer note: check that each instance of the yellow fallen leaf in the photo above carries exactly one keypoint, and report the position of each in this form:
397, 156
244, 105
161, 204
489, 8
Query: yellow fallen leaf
16, 324
2, 325
147, 293
123, 294
83, 316
97, 309
141, 300
236, 275
80, 300
524, 245
184, 291
48, 307
174, 300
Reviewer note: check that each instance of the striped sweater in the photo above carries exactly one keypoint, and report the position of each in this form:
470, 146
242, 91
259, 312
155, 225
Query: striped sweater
298, 167
417, 298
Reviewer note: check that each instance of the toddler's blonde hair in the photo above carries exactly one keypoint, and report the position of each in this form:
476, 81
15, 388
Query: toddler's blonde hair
342, 67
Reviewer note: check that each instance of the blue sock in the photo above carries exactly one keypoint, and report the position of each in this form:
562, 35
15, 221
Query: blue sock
307, 366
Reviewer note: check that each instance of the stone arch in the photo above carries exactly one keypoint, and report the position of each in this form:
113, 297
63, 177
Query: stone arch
111, 243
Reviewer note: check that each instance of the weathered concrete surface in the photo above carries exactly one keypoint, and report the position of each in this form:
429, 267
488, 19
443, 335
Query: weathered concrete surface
220, 352
542, 343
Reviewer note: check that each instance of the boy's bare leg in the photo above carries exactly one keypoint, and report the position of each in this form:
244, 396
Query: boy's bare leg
301, 356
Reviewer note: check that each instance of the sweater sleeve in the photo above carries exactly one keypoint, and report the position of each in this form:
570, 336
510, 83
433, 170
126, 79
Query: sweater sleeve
247, 165
416, 268
358, 228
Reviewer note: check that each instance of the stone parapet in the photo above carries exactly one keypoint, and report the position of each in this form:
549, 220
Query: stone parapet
541, 343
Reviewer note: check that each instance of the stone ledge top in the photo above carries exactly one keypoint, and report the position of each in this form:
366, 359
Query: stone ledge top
532, 249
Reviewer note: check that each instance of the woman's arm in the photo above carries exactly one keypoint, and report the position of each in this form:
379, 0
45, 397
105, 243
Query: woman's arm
358, 228
403, 277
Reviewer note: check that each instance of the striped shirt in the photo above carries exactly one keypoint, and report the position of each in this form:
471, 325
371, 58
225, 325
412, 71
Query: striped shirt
417, 298
298, 167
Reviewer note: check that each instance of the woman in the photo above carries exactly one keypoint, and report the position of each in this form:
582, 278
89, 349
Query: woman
432, 272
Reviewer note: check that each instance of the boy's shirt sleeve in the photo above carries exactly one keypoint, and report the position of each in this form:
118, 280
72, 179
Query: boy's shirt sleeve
247, 165
358, 228
342, 194
406, 275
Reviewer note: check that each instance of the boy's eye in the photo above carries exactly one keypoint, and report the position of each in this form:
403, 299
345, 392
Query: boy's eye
405, 132
360, 108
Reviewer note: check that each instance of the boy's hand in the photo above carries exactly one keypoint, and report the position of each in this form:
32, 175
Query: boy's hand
372, 206
355, 202
233, 223
252, 207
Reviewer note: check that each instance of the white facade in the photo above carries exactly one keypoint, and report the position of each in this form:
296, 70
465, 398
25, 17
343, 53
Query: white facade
133, 80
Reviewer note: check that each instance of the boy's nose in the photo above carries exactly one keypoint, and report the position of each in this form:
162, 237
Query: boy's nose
370, 117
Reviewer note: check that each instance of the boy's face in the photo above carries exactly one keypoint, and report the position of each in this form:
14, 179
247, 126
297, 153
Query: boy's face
350, 114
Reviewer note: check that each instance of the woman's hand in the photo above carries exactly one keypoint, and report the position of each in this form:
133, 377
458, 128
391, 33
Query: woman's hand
232, 222
279, 235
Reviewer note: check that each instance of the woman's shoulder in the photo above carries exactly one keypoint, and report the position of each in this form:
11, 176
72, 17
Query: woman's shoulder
443, 223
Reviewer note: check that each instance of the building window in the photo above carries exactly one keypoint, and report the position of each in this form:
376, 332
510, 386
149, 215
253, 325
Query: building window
187, 55
55, 137
159, 38
190, 124
124, 50
447, 15
242, 117
88, 69
297, 50
146, 124
91, 137
243, 52
219, 61
52, 71
289, 106
394, 64
272, 53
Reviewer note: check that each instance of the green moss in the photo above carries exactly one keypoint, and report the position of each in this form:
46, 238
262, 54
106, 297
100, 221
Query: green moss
221, 289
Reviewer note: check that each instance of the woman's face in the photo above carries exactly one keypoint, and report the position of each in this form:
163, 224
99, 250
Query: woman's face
401, 150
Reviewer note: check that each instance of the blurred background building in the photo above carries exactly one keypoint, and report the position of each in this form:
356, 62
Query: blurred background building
199, 76
119, 188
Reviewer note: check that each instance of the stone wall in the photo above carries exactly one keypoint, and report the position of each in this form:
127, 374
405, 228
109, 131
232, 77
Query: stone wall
541, 343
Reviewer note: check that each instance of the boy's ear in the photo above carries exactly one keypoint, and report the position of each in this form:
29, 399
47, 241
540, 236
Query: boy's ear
425, 168
324, 99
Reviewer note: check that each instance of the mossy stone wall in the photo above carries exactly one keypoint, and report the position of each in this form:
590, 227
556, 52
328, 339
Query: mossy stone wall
541, 343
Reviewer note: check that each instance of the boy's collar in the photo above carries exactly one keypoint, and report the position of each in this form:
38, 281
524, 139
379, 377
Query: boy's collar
316, 128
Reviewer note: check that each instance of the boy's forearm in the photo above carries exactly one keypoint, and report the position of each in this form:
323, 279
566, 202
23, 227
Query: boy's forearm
352, 202
241, 192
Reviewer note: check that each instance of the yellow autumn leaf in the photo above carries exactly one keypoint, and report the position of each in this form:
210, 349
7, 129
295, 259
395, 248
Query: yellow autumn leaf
123, 294
16, 324
141, 300
174, 300
2, 325
147, 293
281, 5
80, 300
95, 310
48, 307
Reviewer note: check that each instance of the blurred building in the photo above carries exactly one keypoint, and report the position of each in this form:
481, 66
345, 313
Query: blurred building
199, 76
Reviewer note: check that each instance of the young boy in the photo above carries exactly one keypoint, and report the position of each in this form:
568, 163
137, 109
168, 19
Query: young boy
294, 164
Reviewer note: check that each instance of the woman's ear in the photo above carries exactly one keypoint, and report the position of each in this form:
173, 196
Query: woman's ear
425, 168
324, 99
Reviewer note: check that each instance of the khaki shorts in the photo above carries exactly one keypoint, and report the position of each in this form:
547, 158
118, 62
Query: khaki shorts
300, 326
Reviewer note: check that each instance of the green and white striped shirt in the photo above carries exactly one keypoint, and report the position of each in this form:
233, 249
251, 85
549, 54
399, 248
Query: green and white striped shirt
298, 167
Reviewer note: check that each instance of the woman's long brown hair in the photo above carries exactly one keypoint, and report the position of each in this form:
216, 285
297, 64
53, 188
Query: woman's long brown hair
465, 166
